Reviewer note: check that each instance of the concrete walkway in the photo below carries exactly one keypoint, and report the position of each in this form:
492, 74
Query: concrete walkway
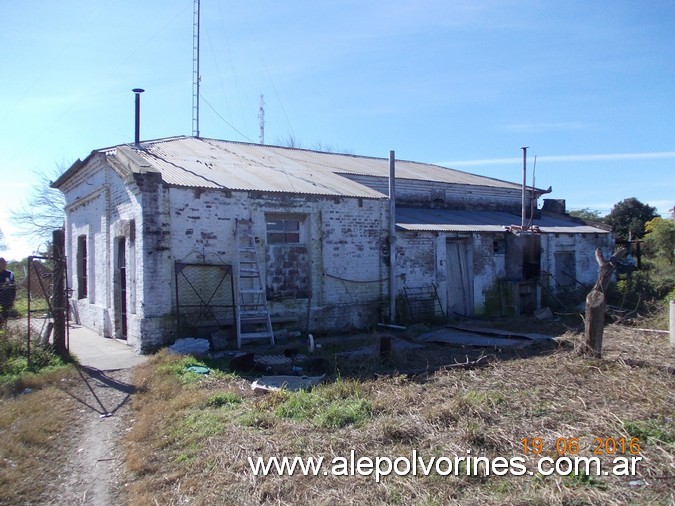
101, 353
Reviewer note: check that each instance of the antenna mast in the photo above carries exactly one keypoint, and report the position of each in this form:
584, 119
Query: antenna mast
196, 78
261, 117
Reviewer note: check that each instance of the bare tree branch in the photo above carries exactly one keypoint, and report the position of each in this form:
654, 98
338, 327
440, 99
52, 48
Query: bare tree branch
43, 211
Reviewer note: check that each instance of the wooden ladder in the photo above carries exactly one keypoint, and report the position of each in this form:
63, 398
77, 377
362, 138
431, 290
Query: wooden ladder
253, 316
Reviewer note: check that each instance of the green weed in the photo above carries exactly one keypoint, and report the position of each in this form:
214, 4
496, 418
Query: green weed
651, 430
223, 399
335, 405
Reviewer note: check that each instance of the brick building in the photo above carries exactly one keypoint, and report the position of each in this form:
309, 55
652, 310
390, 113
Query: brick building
153, 249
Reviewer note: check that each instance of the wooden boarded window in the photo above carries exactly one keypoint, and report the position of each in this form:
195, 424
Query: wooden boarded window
288, 265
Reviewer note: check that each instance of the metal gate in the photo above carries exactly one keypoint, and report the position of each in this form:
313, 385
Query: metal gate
41, 310
205, 302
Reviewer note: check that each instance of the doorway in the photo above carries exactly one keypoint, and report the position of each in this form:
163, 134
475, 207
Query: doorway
121, 289
460, 301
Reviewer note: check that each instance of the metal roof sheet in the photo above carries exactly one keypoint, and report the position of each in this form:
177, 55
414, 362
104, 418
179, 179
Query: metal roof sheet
210, 163
440, 220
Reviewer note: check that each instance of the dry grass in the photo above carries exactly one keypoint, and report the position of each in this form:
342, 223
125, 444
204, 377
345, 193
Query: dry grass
34, 430
192, 436
36, 416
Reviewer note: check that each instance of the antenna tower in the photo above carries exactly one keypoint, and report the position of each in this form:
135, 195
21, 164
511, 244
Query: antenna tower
196, 78
261, 117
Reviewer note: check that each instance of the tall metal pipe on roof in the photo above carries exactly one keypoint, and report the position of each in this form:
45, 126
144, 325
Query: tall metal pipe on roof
137, 129
523, 221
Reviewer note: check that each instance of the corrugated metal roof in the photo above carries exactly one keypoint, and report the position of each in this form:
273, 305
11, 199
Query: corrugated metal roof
210, 163
483, 221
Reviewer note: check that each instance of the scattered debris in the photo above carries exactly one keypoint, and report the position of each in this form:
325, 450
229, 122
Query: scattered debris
198, 369
317, 366
468, 364
502, 333
479, 337
397, 344
219, 340
291, 353
190, 346
266, 384
276, 360
247, 363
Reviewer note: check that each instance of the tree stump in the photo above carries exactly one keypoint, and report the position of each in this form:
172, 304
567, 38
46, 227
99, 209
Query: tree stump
594, 324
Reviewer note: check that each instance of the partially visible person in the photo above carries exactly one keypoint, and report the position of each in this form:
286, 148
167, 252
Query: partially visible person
7, 291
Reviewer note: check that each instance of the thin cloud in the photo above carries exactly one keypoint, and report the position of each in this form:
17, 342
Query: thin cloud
659, 155
545, 127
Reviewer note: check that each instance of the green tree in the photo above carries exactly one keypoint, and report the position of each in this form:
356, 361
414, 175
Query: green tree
587, 214
660, 238
628, 218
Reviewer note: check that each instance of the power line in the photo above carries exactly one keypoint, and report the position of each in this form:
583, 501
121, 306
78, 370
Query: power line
225, 121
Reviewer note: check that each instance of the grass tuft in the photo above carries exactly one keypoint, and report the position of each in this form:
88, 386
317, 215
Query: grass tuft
652, 430
221, 399
16, 373
331, 406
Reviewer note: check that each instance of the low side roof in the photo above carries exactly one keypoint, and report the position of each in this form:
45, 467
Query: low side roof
440, 220
210, 163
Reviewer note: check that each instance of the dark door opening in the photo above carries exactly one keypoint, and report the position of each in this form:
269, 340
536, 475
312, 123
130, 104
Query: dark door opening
122, 276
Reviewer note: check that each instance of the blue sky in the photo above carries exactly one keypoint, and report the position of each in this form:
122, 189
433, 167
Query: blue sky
588, 86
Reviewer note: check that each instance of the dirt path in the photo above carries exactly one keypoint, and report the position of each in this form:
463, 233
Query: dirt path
93, 470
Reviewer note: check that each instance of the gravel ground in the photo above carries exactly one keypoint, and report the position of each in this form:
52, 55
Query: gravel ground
93, 470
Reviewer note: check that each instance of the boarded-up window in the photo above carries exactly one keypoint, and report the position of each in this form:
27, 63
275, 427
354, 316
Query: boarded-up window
82, 267
287, 273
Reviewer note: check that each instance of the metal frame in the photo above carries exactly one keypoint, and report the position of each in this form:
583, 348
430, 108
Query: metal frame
206, 306
420, 298
48, 294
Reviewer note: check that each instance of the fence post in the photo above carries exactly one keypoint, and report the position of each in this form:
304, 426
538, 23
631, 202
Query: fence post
59, 305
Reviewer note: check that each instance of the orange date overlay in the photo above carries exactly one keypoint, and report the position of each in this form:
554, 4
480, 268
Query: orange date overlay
572, 446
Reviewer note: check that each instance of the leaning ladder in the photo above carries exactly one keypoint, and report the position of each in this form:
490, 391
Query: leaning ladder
253, 316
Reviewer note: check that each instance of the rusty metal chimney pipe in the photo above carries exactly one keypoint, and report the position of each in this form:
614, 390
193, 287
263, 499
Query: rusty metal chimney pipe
137, 131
